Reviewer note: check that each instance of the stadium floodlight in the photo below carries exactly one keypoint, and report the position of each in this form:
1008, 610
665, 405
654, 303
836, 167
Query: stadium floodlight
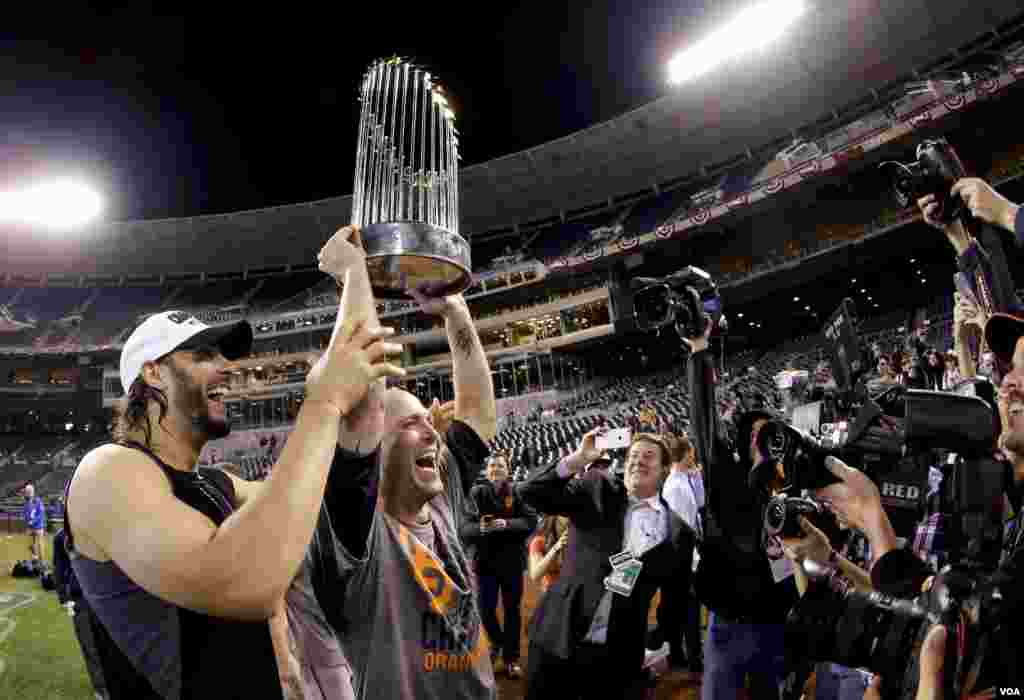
752, 29
58, 204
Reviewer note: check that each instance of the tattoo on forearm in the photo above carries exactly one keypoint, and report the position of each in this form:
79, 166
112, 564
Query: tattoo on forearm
464, 341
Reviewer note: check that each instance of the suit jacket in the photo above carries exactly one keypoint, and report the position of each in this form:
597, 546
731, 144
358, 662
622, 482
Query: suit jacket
497, 550
596, 507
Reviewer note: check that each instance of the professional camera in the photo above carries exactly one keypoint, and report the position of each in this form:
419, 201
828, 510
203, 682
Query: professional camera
936, 169
802, 457
687, 298
782, 518
832, 622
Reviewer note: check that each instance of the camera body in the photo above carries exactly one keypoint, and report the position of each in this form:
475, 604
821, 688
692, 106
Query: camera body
802, 458
687, 299
782, 518
936, 169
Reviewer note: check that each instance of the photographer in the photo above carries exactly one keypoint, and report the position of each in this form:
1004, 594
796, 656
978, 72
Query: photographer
747, 594
984, 273
588, 633
899, 572
832, 681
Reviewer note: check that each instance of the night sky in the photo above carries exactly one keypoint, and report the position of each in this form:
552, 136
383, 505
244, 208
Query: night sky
177, 115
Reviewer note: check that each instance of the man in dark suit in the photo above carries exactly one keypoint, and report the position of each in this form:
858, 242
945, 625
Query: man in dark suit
498, 527
587, 636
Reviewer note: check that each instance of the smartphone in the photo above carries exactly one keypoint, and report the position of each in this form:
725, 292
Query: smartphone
614, 439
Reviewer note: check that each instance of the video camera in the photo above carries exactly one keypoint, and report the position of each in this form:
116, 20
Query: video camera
834, 623
936, 169
687, 299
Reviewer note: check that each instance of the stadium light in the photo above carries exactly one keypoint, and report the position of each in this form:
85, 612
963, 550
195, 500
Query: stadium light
59, 204
751, 29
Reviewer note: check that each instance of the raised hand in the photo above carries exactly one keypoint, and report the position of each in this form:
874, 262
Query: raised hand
441, 415
341, 252
701, 343
435, 306
856, 498
930, 208
588, 450
355, 359
985, 203
966, 314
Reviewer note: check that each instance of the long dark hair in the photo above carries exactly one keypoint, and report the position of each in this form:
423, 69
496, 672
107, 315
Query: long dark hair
132, 412
551, 532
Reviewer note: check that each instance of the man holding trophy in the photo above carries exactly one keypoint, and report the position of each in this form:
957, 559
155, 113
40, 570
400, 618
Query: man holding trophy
388, 567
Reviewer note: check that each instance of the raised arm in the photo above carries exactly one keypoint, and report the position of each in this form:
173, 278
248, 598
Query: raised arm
362, 429
554, 490
704, 427
242, 567
474, 389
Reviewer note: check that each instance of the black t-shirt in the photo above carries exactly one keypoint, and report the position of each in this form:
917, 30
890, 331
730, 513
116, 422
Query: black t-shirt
150, 648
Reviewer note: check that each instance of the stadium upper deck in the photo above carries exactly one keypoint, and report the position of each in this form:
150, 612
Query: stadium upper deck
846, 62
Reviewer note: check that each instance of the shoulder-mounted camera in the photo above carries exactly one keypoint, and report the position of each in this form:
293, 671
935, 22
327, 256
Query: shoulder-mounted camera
686, 299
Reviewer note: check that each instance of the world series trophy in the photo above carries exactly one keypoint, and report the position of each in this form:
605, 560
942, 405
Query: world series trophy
406, 191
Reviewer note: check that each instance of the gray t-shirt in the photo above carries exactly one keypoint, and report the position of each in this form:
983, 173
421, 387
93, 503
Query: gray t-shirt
408, 619
318, 646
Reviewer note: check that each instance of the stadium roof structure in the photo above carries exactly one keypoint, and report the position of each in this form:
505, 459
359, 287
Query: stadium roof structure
841, 54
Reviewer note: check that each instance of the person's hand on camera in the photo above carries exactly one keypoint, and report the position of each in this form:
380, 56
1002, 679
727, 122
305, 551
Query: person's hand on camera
562, 541
355, 359
931, 208
857, 502
813, 546
700, 344
856, 498
932, 659
985, 203
587, 451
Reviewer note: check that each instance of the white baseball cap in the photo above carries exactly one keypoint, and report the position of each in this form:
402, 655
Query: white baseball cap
168, 331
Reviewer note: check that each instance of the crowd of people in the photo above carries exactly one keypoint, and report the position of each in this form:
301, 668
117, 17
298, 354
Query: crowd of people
371, 561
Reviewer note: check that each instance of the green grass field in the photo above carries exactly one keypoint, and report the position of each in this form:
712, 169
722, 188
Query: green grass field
39, 654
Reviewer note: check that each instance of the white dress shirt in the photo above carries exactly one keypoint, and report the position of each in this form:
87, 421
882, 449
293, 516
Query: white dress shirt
679, 493
681, 497
645, 527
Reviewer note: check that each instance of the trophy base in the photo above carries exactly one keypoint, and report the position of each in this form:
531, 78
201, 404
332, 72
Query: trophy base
404, 255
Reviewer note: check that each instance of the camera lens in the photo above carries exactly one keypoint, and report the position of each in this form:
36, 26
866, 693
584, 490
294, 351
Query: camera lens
652, 307
775, 517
